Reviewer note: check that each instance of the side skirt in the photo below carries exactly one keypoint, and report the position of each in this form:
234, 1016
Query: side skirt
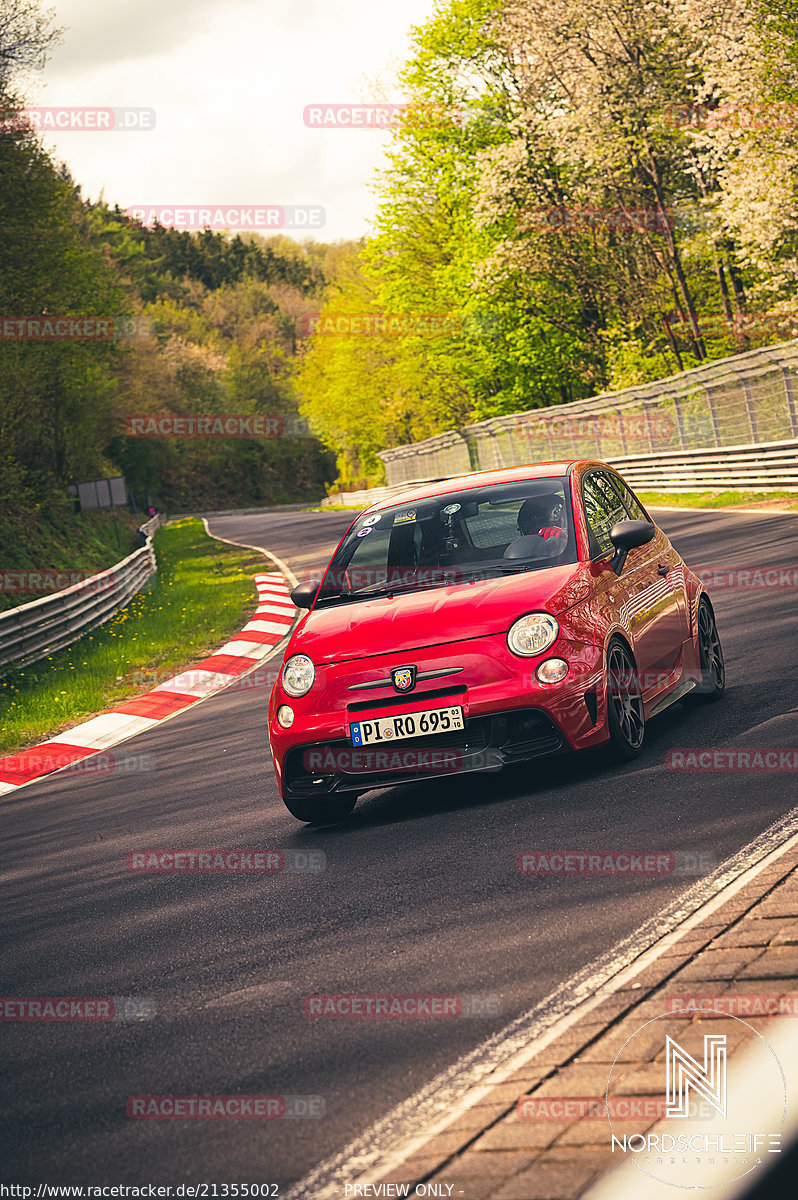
684, 687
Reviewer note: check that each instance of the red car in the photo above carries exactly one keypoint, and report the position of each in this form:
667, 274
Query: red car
481, 621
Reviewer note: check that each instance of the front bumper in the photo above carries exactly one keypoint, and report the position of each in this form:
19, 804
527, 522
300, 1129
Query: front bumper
509, 715
486, 743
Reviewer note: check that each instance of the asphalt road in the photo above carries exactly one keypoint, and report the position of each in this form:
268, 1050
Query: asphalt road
420, 895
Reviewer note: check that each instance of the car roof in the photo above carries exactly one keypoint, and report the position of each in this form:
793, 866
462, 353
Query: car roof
545, 470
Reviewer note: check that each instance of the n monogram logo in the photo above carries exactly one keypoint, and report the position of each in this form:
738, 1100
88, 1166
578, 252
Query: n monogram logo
684, 1073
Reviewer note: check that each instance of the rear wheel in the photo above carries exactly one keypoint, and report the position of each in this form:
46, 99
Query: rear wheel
710, 653
626, 718
320, 810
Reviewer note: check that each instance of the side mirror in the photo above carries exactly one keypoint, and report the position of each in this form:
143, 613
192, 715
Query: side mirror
625, 536
304, 594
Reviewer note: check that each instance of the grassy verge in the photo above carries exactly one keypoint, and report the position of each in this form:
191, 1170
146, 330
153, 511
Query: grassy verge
337, 508
202, 594
732, 499
55, 539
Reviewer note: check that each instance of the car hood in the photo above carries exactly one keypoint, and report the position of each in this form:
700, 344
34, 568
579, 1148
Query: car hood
431, 617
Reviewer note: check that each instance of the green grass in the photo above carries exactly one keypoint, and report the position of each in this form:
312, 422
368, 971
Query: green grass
53, 538
203, 592
337, 508
711, 499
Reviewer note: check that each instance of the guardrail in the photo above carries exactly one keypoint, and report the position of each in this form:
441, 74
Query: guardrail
34, 630
720, 409
760, 468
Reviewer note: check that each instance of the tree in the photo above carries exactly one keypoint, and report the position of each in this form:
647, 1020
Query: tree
26, 38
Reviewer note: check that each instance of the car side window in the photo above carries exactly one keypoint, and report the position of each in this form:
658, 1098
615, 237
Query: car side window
603, 508
633, 505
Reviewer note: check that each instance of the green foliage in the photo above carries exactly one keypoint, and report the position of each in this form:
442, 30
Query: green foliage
536, 130
213, 330
56, 538
55, 398
203, 592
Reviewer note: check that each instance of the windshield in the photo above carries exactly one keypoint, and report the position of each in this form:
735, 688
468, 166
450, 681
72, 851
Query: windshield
454, 538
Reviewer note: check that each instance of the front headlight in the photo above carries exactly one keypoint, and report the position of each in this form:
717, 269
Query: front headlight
298, 675
533, 634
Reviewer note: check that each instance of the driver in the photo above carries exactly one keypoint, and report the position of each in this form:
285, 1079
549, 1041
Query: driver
544, 515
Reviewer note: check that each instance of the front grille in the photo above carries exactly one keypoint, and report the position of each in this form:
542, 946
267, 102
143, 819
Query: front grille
531, 733
412, 698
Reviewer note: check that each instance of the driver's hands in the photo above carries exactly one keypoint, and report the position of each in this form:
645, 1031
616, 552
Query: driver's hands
551, 531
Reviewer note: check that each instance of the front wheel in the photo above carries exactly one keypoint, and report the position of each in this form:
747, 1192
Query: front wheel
320, 810
626, 718
710, 655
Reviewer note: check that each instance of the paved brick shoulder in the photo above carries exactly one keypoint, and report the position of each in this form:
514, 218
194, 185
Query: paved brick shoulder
543, 1134
271, 621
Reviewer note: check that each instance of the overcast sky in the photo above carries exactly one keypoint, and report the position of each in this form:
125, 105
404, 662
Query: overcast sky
229, 80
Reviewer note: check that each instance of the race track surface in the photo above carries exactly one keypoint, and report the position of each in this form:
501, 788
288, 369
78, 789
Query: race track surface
420, 895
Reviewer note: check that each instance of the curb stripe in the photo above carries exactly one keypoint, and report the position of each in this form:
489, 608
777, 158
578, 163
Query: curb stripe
268, 627
245, 649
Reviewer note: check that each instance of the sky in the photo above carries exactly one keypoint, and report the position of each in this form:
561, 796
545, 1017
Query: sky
229, 81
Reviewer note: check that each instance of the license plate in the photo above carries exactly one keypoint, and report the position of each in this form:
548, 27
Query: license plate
407, 725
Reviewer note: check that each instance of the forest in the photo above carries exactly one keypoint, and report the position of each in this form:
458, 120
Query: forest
576, 197
581, 195
160, 322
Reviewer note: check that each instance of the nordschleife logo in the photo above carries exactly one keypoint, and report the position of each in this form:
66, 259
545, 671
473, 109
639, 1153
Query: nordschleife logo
723, 1119
684, 1074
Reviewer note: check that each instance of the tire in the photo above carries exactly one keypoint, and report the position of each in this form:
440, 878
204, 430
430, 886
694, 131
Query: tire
626, 718
320, 810
710, 655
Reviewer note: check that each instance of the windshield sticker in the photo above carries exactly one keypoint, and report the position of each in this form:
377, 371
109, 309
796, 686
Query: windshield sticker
372, 520
452, 508
403, 518
363, 532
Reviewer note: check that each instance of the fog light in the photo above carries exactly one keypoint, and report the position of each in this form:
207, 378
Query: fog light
552, 670
285, 715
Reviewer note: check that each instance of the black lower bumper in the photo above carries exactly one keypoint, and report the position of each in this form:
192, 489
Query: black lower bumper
485, 743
